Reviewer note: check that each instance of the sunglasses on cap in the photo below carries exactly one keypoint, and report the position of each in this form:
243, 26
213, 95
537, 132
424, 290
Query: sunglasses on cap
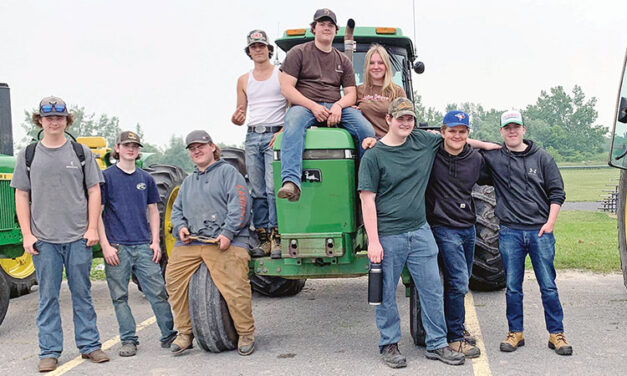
48, 108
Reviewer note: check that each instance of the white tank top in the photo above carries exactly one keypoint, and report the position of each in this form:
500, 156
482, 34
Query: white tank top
266, 105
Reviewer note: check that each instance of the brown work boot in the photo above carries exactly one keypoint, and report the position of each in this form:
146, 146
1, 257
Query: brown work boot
290, 191
246, 344
181, 343
263, 249
469, 338
513, 341
557, 342
469, 351
96, 356
47, 364
275, 244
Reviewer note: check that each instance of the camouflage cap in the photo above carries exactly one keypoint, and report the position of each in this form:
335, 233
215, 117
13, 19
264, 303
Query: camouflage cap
198, 136
128, 137
401, 106
325, 13
257, 36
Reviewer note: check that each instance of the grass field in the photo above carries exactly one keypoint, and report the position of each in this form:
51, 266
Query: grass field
589, 185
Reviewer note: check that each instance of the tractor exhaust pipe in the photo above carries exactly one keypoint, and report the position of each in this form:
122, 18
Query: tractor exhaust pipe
349, 43
6, 129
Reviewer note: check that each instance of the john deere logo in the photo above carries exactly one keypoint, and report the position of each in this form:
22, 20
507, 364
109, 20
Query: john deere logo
312, 176
141, 186
132, 136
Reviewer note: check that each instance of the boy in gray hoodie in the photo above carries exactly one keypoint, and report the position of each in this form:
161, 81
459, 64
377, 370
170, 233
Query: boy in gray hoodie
212, 202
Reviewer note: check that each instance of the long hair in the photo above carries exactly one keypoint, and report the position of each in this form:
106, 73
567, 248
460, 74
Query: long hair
388, 85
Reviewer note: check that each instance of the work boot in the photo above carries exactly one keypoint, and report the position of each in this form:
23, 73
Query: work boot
128, 349
181, 343
465, 348
275, 244
446, 355
96, 356
47, 364
469, 338
290, 191
557, 342
513, 341
263, 249
165, 344
392, 357
246, 345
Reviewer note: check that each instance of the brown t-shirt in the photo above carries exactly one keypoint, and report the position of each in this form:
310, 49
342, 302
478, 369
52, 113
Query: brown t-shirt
320, 74
374, 105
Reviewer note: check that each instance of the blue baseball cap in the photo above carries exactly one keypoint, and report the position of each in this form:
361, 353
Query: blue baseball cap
455, 118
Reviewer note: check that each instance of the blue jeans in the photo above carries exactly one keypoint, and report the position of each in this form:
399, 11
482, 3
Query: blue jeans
457, 248
418, 250
138, 259
49, 263
259, 157
514, 246
297, 120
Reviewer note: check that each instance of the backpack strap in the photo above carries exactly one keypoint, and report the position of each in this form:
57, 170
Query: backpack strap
80, 153
29, 156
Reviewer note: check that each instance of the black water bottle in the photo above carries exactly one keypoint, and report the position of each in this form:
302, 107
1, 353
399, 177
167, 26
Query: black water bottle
375, 284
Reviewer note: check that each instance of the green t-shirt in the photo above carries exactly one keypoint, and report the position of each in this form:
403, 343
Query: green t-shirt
399, 176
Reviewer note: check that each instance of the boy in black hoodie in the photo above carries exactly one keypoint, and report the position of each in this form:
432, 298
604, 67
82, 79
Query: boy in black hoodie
451, 215
529, 194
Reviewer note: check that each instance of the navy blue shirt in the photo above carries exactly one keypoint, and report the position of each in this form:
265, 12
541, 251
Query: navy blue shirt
125, 198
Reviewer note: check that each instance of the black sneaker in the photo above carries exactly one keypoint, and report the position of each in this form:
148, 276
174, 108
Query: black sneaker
446, 355
392, 357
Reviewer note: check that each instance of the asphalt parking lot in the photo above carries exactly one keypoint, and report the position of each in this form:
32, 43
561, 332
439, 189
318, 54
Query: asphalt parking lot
329, 329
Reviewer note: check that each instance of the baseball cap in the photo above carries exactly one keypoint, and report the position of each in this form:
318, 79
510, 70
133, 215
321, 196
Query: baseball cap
455, 118
52, 106
511, 116
198, 136
401, 106
325, 13
128, 137
256, 36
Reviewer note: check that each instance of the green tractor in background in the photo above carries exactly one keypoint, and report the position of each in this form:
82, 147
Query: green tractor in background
17, 271
322, 235
618, 159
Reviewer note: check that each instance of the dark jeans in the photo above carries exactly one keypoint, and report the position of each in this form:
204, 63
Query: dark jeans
514, 246
457, 248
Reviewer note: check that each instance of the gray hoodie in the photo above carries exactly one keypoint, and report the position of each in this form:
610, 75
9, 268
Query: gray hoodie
214, 202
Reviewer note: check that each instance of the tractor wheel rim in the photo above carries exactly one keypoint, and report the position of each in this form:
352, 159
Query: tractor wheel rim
19, 267
168, 238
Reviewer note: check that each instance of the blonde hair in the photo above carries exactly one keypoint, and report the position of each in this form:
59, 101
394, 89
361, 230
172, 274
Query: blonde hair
388, 86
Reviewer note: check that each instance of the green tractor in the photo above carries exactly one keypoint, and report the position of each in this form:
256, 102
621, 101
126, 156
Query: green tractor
618, 154
17, 271
322, 235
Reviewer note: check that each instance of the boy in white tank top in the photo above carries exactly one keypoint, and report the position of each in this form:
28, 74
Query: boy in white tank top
259, 94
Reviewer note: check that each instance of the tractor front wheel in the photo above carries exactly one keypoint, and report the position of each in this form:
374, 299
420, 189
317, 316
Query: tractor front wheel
19, 274
211, 321
621, 207
4, 297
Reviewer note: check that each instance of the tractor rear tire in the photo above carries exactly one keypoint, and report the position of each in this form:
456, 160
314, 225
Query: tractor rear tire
168, 180
4, 298
276, 286
211, 321
416, 328
488, 273
19, 274
621, 206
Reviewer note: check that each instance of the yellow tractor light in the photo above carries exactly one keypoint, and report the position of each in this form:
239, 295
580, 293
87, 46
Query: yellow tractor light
386, 30
295, 32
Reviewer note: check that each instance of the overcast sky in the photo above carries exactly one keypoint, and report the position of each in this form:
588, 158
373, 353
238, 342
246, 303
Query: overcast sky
172, 66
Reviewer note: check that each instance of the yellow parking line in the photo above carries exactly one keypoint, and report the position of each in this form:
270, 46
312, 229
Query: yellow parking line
105, 346
480, 365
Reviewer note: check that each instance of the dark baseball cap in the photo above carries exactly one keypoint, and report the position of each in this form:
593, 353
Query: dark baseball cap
325, 13
52, 106
128, 137
401, 106
455, 118
257, 36
197, 136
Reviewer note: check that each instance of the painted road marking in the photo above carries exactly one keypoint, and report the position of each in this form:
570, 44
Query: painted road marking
105, 346
480, 365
